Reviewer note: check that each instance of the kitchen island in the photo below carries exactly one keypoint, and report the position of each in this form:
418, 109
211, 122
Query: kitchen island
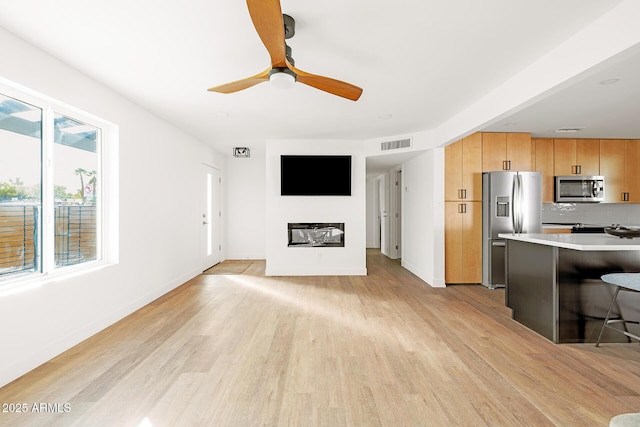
553, 283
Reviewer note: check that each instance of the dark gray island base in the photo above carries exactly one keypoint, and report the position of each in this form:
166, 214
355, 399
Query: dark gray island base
553, 284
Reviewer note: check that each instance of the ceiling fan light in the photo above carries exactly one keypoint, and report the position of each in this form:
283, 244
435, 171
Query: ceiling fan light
282, 80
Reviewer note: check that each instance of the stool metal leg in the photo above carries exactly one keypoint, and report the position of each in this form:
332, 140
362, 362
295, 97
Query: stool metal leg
606, 319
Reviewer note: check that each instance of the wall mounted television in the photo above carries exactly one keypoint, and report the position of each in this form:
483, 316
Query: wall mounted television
309, 175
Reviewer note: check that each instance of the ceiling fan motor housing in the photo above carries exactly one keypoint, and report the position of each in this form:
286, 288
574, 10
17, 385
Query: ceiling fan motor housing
285, 70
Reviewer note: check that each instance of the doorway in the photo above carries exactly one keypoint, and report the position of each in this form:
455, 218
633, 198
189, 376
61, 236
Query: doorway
388, 190
211, 248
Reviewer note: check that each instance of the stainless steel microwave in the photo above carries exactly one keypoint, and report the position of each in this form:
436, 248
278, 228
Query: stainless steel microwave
576, 188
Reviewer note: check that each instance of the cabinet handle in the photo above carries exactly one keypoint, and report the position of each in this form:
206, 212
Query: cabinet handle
578, 169
506, 165
464, 193
462, 208
625, 197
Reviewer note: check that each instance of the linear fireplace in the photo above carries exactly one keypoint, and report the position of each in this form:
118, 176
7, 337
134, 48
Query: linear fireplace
316, 234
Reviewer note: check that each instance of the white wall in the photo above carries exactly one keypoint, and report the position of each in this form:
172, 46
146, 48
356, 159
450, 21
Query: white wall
246, 221
160, 192
291, 261
423, 216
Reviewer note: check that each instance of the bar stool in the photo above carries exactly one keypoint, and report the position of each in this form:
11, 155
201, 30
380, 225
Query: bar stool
628, 282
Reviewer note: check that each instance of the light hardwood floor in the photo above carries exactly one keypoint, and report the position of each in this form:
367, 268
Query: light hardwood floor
380, 350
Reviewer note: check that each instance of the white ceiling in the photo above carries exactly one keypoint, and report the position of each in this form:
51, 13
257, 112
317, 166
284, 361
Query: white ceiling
419, 63
604, 104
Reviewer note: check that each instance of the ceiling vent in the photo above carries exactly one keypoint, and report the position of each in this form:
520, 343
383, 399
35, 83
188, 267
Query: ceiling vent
395, 145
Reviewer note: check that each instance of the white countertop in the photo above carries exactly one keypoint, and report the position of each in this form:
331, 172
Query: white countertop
578, 241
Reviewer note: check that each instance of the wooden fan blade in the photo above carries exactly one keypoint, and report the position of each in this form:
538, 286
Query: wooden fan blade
242, 84
333, 86
267, 19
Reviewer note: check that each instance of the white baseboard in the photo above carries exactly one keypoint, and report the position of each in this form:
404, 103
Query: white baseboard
423, 275
315, 272
245, 256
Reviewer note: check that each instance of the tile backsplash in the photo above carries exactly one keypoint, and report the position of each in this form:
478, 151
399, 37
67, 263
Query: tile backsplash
591, 213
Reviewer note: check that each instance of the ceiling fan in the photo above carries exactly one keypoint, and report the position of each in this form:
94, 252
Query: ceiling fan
273, 28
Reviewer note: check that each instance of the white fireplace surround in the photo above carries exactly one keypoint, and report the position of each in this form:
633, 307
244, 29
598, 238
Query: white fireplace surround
315, 259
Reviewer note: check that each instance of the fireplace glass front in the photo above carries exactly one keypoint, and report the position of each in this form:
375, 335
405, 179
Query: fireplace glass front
313, 234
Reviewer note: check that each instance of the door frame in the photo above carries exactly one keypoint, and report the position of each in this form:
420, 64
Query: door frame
395, 213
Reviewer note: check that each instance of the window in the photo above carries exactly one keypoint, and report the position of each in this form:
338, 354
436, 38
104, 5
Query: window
51, 187
75, 189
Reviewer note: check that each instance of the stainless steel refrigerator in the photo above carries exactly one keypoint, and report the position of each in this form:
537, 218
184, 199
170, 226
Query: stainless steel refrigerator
511, 203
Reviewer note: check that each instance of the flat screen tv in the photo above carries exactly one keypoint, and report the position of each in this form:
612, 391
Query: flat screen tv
315, 175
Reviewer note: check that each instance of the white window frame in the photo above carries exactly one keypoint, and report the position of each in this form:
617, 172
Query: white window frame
107, 233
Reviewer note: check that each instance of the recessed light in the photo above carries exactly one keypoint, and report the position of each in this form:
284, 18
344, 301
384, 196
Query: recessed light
610, 81
222, 114
385, 116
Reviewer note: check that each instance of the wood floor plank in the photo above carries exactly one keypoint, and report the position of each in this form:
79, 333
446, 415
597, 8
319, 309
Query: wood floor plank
384, 349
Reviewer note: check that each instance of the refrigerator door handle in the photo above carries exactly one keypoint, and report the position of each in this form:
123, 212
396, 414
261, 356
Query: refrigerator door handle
517, 198
520, 204
513, 203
